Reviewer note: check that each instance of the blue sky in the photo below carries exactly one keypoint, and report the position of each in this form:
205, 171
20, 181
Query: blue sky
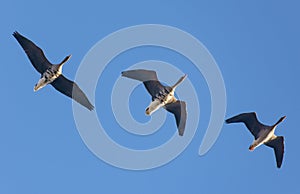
255, 44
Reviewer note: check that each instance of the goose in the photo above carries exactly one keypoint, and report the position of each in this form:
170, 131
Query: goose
263, 134
162, 96
50, 73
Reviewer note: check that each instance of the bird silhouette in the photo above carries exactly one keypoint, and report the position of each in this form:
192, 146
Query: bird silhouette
50, 73
263, 134
162, 96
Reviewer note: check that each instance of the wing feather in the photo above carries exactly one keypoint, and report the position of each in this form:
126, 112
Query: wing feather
148, 77
278, 145
178, 108
34, 53
250, 120
72, 90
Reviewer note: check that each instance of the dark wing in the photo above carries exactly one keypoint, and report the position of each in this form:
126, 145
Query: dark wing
72, 90
278, 145
250, 121
178, 108
34, 53
148, 77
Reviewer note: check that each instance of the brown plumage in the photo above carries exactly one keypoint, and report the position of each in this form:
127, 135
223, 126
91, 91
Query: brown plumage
46, 69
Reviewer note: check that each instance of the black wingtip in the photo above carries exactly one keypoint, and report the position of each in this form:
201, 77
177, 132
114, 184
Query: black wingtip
278, 164
227, 121
181, 133
91, 108
15, 33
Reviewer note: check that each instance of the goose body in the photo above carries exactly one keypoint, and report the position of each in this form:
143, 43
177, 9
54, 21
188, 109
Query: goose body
51, 73
263, 134
162, 96
48, 76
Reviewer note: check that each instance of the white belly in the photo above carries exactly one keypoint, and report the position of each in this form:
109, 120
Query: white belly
170, 98
157, 103
264, 137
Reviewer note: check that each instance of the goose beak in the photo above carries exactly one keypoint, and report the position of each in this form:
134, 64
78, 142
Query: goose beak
251, 147
147, 111
36, 87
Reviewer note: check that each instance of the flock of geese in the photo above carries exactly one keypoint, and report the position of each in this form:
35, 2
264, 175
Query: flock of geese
162, 96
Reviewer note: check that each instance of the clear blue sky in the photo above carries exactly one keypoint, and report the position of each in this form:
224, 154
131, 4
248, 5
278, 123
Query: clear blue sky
256, 45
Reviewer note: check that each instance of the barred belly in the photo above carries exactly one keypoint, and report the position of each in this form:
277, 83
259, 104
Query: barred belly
48, 76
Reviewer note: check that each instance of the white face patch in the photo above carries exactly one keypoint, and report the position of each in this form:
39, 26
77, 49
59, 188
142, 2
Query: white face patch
40, 84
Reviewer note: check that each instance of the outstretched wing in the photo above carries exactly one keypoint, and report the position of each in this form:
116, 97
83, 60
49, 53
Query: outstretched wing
250, 121
278, 145
72, 90
34, 53
178, 108
148, 77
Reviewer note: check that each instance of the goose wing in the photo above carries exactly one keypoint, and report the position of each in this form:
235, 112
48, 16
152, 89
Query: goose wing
148, 77
278, 145
34, 53
178, 108
250, 120
72, 90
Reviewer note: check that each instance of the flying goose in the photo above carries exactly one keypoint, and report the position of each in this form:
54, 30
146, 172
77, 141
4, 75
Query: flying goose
162, 96
263, 134
52, 74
